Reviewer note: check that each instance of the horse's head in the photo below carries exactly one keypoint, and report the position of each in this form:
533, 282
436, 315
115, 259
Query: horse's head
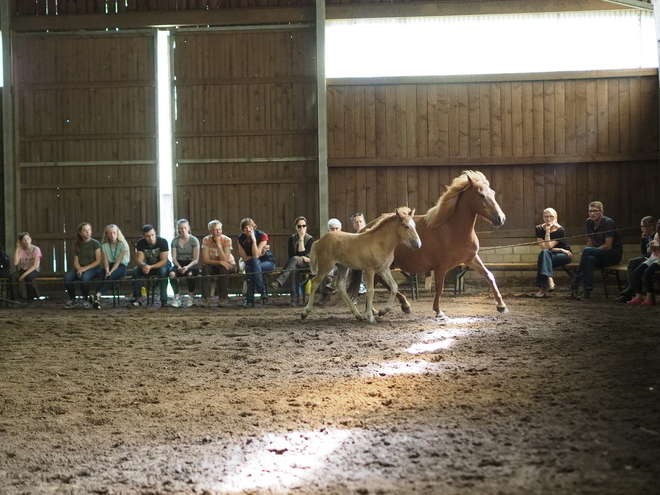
482, 199
407, 228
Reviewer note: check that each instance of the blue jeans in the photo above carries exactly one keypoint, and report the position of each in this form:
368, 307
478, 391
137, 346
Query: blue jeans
254, 271
14, 291
547, 262
645, 272
116, 275
85, 279
160, 273
593, 258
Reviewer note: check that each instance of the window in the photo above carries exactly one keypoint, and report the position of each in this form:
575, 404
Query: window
493, 44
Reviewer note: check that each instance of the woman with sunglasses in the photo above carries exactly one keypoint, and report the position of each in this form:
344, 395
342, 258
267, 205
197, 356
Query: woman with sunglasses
300, 244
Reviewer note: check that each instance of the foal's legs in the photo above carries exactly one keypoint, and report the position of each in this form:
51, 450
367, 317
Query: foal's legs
391, 283
342, 273
321, 270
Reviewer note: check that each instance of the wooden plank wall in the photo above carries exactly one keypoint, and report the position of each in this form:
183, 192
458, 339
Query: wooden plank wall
560, 143
245, 132
86, 137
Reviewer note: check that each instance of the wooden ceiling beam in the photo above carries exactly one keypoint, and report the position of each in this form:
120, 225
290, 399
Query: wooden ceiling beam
138, 20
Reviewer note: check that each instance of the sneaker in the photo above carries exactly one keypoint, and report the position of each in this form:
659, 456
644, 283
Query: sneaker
206, 302
363, 289
97, 303
137, 303
586, 294
222, 302
163, 303
86, 304
623, 298
176, 303
275, 285
189, 302
71, 303
324, 299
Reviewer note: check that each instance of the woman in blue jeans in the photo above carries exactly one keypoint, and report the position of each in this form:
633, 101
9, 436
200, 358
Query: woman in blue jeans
254, 249
555, 251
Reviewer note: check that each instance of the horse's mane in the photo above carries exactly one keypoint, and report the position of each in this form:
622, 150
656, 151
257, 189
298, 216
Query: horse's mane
446, 204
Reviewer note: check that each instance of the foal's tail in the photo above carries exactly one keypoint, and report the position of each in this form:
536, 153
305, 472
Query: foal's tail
313, 263
353, 283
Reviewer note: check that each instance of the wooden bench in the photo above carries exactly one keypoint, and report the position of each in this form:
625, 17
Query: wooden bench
606, 272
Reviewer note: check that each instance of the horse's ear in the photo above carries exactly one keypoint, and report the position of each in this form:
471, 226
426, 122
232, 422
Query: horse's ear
398, 212
412, 213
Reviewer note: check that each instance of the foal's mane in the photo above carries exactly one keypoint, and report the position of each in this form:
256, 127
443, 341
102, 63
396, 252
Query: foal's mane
385, 217
446, 204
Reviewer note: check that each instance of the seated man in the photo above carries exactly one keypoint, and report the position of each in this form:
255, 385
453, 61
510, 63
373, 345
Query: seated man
648, 231
152, 256
604, 248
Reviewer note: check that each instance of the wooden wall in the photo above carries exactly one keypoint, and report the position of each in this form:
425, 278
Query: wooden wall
86, 137
562, 142
246, 132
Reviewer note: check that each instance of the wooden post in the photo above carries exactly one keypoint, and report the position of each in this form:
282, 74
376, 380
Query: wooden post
8, 128
322, 118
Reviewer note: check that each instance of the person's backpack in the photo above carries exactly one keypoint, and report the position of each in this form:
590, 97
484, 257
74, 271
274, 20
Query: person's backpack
4, 264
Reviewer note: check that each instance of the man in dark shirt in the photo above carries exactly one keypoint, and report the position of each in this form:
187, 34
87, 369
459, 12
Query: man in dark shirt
152, 256
604, 248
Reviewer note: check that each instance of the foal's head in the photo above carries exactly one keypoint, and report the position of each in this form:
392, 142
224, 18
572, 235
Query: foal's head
406, 226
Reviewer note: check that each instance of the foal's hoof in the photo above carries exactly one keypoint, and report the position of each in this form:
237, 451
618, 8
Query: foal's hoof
303, 315
405, 309
502, 309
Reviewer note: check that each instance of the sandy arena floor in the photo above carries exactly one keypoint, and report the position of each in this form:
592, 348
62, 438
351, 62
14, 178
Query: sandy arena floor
556, 397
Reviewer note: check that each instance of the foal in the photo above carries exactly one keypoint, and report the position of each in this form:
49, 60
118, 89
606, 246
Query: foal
371, 251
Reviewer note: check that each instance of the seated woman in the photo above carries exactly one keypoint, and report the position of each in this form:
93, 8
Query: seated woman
27, 258
253, 248
555, 251
646, 271
185, 259
300, 244
115, 254
86, 262
218, 263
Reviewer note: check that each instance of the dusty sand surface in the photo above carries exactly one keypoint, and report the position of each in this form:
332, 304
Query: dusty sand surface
556, 397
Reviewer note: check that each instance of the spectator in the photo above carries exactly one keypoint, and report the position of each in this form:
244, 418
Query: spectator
604, 248
218, 261
555, 251
254, 249
327, 285
27, 259
358, 221
646, 270
116, 256
299, 246
86, 262
185, 261
648, 230
151, 255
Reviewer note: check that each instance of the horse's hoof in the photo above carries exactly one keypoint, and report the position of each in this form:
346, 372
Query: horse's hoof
503, 309
405, 309
440, 315
303, 315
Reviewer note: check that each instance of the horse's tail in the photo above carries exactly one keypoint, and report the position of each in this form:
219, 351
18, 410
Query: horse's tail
353, 283
313, 263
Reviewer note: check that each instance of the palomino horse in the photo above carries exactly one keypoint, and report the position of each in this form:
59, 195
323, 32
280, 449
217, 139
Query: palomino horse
371, 251
448, 237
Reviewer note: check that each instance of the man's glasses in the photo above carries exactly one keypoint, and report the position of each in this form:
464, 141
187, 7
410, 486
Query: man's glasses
301, 226
594, 211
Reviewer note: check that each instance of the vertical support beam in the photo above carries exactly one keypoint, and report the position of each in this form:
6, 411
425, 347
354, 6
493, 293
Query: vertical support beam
322, 117
9, 166
656, 15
